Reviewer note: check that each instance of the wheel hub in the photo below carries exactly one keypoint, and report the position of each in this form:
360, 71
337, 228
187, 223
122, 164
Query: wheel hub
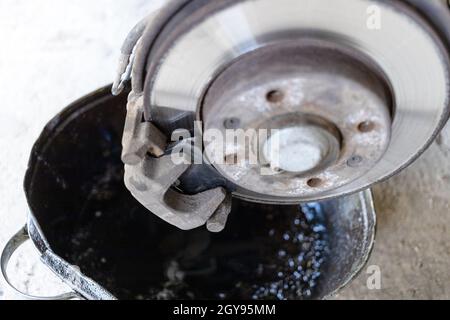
311, 97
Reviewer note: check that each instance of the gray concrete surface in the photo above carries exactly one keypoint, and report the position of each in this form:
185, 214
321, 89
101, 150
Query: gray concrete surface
413, 236
54, 51
51, 53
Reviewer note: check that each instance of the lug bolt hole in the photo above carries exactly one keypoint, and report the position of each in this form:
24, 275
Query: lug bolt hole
354, 161
275, 96
277, 170
314, 182
366, 126
232, 123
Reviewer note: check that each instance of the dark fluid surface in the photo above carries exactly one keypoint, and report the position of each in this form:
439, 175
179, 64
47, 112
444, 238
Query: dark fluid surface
265, 252
75, 190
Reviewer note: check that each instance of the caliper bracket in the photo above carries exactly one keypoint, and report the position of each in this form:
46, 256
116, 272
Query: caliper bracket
150, 175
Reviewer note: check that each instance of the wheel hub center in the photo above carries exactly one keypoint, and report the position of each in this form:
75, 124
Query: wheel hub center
296, 149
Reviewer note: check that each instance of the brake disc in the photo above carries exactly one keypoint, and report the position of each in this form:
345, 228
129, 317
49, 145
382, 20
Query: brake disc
349, 101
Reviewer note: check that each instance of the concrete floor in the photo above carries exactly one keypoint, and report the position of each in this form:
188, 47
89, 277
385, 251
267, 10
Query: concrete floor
413, 235
55, 51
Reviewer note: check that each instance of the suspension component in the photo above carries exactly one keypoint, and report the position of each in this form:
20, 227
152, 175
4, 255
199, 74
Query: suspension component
348, 92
